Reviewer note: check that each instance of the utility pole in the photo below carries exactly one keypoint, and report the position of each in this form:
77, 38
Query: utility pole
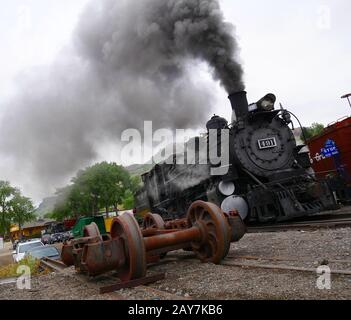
347, 96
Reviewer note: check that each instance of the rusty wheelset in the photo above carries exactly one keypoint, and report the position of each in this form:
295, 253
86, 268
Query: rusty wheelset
128, 249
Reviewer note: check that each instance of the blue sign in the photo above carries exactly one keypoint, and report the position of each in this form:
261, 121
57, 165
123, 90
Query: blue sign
330, 149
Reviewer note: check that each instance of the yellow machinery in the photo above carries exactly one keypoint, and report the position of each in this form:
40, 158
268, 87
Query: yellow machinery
108, 222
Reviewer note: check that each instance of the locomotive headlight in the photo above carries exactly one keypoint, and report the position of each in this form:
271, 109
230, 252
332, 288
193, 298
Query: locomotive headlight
267, 105
267, 102
226, 188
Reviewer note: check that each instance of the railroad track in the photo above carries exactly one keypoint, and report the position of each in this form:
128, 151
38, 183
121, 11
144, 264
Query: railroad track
54, 265
338, 221
159, 294
281, 268
285, 259
261, 263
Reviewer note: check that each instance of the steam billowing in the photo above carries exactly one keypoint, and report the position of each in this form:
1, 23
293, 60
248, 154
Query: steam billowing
156, 37
129, 61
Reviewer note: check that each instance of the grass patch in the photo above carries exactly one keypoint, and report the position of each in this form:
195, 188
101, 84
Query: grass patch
10, 271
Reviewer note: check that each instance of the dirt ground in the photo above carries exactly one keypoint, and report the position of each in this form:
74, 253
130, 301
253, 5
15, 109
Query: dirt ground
187, 278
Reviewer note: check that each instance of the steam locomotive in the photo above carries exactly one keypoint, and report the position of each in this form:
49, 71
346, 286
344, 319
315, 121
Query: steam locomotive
269, 178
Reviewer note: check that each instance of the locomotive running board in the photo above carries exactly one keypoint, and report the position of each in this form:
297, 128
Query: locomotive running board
132, 283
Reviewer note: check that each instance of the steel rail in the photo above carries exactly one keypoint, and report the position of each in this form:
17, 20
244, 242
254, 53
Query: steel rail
282, 268
54, 265
304, 225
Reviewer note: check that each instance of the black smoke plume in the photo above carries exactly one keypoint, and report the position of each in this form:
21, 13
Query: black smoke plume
129, 61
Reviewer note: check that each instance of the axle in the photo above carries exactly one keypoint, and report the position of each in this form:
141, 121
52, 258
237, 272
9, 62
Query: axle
128, 249
165, 241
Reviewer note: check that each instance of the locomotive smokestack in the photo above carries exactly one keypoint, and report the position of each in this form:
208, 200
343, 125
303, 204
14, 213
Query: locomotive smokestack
239, 103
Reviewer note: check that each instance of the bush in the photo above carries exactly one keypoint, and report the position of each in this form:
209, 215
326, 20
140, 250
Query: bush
10, 271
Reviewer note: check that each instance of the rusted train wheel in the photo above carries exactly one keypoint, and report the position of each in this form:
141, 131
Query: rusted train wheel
127, 229
153, 221
91, 230
211, 220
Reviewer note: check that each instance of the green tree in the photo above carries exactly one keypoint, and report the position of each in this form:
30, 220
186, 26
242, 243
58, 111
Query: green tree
6, 193
62, 208
135, 183
310, 132
103, 185
128, 200
22, 210
70, 202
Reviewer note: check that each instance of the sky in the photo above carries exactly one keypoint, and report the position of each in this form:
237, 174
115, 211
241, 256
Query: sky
298, 50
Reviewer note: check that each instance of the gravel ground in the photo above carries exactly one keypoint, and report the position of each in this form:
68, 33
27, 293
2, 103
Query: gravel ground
187, 278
